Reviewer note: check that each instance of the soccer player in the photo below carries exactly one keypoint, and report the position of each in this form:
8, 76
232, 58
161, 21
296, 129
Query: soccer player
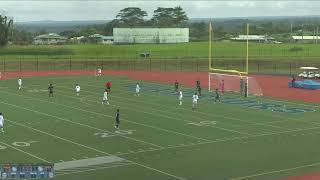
241, 86
195, 98
176, 86
137, 89
99, 72
50, 88
217, 96
117, 119
108, 85
198, 87
293, 81
222, 87
19, 83
78, 89
180, 97
105, 97
197, 83
1, 123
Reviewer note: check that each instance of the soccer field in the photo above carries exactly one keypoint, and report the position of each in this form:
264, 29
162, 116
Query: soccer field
157, 139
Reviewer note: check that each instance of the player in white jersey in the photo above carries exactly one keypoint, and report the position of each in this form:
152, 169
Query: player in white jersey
99, 72
180, 97
19, 83
78, 89
137, 89
1, 122
195, 98
105, 97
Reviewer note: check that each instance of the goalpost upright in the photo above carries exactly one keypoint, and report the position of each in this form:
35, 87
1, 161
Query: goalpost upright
210, 63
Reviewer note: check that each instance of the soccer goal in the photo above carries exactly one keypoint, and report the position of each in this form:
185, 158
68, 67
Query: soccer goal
232, 80
242, 84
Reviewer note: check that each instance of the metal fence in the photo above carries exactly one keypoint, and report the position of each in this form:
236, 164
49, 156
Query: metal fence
262, 66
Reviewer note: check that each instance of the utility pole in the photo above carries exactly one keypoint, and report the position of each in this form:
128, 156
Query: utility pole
317, 34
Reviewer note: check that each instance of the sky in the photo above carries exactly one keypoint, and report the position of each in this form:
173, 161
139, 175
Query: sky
59, 10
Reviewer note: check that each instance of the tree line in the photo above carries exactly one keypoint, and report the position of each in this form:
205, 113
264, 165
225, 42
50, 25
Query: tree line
280, 28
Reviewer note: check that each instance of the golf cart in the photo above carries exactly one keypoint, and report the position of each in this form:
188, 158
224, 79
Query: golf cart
309, 73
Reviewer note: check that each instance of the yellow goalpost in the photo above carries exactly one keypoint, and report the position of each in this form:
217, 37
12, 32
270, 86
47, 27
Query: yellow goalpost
211, 64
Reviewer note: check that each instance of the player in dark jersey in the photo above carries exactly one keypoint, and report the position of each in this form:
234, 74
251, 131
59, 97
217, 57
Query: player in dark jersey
198, 83
198, 87
117, 119
176, 86
217, 96
50, 88
241, 86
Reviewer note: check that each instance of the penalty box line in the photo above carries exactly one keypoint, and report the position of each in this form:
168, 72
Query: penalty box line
94, 149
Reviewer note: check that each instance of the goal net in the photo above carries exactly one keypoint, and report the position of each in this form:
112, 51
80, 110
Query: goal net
234, 83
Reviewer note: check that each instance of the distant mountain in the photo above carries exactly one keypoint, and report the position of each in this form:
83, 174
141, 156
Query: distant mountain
56, 26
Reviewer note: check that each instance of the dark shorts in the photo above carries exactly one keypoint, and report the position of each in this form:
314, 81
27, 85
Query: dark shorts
117, 121
50, 92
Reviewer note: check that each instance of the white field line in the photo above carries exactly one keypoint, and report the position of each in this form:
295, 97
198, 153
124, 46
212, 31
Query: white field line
212, 115
223, 117
29, 154
77, 123
95, 169
93, 149
124, 119
276, 171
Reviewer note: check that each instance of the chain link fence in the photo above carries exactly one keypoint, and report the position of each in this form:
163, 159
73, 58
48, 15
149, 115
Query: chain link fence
256, 66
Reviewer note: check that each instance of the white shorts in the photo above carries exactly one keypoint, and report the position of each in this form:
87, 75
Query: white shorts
194, 102
77, 91
137, 90
180, 98
105, 99
1, 125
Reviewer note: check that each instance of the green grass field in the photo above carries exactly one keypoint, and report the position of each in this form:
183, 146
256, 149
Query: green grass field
235, 50
158, 139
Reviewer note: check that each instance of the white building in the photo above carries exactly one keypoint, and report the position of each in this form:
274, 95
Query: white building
306, 39
150, 35
51, 38
255, 38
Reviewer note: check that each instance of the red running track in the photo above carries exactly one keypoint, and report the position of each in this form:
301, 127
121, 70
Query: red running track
272, 86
